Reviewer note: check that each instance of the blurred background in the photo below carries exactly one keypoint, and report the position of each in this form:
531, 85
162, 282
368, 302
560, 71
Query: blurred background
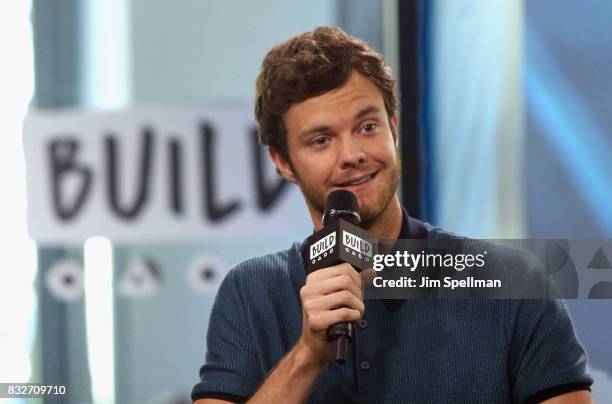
133, 180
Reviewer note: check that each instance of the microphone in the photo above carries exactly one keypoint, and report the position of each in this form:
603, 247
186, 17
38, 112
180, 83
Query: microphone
340, 240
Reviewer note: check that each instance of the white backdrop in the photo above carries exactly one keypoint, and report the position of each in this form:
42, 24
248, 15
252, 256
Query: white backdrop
74, 145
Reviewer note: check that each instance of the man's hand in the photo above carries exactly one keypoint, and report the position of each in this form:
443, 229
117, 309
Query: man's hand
331, 295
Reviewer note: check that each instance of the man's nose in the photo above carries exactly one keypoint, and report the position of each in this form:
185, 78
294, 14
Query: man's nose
352, 153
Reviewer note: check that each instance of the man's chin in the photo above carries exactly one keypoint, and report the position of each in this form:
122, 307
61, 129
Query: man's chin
371, 210
368, 218
370, 206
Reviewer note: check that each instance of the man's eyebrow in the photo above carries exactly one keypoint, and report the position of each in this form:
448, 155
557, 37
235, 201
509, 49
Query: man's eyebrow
316, 129
366, 111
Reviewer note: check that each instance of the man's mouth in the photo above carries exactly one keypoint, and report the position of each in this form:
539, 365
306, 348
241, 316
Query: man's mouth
357, 181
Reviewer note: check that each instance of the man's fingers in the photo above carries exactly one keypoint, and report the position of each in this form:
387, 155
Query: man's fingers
334, 301
331, 285
330, 272
332, 295
321, 321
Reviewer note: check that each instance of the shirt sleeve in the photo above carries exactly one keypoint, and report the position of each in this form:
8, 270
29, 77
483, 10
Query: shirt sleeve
546, 358
230, 371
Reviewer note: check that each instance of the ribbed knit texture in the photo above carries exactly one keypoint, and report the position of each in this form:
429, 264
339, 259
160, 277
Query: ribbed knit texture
425, 351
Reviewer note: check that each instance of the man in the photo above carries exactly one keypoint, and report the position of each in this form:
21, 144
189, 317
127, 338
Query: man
327, 109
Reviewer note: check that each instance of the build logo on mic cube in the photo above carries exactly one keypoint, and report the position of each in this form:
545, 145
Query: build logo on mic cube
340, 241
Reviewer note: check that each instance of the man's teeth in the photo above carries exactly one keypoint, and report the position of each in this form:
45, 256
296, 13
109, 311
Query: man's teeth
360, 182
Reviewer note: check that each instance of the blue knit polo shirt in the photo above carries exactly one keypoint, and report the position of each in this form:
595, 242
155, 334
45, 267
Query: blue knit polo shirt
413, 351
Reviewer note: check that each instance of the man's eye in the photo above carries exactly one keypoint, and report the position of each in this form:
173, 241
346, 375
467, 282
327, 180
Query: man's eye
319, 141
369, 127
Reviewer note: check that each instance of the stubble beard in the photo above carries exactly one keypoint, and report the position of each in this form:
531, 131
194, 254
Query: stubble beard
369, 213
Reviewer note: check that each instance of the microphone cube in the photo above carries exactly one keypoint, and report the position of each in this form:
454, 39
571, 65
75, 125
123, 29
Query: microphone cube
340, 241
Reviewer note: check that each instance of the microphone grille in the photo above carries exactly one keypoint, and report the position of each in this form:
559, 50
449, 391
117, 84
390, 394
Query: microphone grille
341, 204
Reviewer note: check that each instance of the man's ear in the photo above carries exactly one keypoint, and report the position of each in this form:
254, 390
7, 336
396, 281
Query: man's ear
394, 122
283, 167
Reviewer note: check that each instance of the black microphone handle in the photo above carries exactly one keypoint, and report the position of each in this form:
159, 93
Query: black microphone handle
341, 204
339, 335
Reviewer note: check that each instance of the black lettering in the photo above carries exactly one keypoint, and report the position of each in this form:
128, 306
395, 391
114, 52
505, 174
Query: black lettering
176, 176
62, 161
214, 210
113, 172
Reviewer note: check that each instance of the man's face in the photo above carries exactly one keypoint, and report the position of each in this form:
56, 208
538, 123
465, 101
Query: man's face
343, 140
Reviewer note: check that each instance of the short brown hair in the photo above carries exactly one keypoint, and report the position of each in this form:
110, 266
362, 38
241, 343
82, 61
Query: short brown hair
309, 65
